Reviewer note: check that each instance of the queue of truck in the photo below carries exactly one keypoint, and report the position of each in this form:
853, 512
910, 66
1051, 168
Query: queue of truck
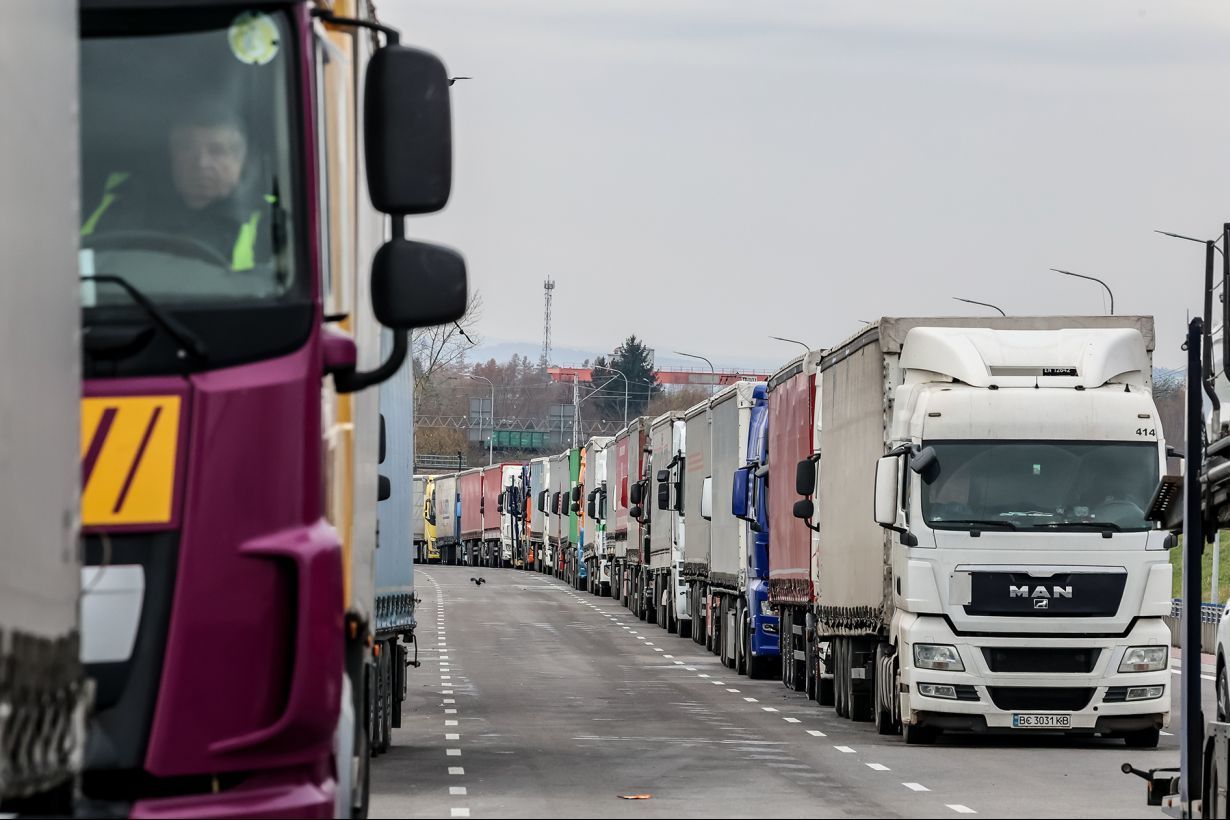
937, 525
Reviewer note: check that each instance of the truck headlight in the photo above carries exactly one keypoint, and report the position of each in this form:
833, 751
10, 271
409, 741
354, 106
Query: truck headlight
1145, 659
937, 656
766, 611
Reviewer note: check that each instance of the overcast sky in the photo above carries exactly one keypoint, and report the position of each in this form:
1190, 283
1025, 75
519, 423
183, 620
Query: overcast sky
706, 174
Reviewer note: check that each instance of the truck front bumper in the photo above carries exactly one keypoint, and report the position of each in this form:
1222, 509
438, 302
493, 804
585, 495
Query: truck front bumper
268, 796
1095, 701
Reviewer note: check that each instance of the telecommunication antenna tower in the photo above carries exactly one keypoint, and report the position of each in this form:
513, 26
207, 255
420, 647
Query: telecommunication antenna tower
548, 286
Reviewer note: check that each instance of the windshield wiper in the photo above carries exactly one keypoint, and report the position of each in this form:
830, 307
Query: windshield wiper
189, 342
975, 524
1104, 526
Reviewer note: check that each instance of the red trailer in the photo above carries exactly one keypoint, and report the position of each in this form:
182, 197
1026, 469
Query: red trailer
792, 392
470, 488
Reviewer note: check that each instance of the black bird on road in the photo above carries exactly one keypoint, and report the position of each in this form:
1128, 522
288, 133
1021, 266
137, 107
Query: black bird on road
478, 582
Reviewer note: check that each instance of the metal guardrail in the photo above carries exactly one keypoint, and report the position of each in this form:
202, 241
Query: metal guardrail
1210, 618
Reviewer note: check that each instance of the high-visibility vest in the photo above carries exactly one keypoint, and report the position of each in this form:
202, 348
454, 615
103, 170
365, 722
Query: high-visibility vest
243, 251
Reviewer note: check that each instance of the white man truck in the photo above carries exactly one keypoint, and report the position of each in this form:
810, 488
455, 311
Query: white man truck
1008, 579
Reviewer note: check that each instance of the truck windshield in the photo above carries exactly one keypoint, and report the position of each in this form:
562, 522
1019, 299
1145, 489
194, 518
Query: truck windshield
186, 186
188, 183
1056, 485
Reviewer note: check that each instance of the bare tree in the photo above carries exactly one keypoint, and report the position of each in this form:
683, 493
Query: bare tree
435, 349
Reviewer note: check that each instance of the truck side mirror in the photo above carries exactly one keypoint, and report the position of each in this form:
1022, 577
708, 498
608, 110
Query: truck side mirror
706, 498
805, 477
664, 496
888, 491
576, 507
542, 501
417, 284
925, 463
739, 493
576, 493
804, 509
664, 475
408, 131
384, 488
589, 506
635, 511
635, 493
499, 503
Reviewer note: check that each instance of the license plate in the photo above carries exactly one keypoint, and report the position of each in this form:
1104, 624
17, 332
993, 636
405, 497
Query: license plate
1035, 721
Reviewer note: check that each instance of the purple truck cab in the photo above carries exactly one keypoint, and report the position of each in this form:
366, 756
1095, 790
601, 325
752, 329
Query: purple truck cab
218, 661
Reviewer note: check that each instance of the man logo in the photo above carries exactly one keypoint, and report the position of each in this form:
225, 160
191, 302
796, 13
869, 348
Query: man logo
1042, 603
1039, 592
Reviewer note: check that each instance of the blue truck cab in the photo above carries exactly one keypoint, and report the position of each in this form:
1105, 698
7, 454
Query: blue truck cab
750, 502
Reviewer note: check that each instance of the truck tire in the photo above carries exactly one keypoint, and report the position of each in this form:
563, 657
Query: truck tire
724, 620
713, 629
826, 691
916, 734
886, 722
742, 639
1142, 738
389, 697
841, 683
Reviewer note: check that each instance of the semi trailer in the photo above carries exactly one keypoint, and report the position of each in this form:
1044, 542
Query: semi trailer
664, 588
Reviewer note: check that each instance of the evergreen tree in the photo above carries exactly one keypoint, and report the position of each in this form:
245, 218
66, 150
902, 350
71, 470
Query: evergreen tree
634, 359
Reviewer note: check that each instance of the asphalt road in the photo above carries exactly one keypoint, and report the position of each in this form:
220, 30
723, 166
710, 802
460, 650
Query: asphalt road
535, 700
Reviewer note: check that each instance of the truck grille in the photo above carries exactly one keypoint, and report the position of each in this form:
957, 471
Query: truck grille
1042, 698
1037, 659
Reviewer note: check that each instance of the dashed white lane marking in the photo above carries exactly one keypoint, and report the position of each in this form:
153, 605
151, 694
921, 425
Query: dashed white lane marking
658, 649
816, 733
702, 675
459, 790
690, 668
450, 723
717, 683
678, 663
769, 708
792, 720
450, 700
751, 700
916, 787
460, 812
879, 767
959, 809
450, 711
448, 691
456, 770
844, 749
452, 736
732, 690
669, 656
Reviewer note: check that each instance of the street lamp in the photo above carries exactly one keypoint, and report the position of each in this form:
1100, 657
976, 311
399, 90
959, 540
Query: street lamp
625, 378
984, 304
803, 345
1091, 279
491, 438
712, 372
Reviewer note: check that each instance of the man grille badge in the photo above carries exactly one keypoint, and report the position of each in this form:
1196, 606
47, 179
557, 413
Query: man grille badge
1041, 603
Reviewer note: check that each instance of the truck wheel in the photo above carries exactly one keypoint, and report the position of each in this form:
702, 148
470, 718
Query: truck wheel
811, 675
1142, 738
743, 640
724, 620
390, 698
916, 734
1223, 695
885, 724
841, 685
